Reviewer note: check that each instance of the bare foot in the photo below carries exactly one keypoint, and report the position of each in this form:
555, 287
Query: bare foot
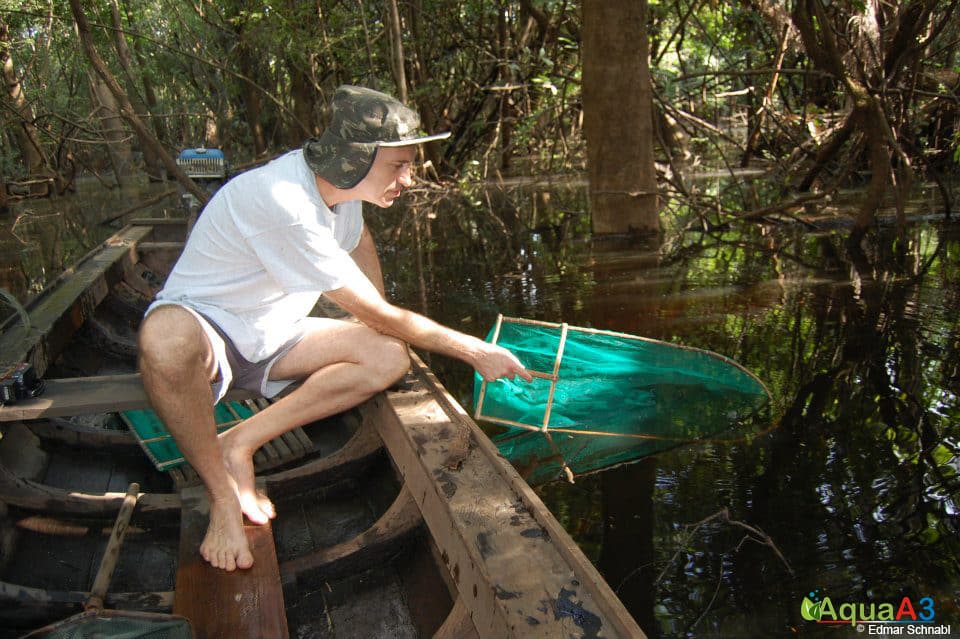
255, 505
225, 544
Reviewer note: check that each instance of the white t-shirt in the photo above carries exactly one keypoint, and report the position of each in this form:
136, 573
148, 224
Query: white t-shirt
262, 252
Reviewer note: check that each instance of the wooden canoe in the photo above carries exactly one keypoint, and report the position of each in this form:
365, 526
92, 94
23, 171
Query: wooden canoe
397, 518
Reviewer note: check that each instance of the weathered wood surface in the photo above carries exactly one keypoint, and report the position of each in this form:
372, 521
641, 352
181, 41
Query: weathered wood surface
88, 395
227, 605
31, 495
515, 568
165, 229
108, 564
358, 451
24, 602
82, 435
458, 624
352, 458
381, 542
57, 313
160, 256
34, 496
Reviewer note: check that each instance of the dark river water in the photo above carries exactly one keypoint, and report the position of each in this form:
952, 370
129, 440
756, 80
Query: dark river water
849, 492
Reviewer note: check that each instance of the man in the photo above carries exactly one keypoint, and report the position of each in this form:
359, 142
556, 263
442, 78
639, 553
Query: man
234, 310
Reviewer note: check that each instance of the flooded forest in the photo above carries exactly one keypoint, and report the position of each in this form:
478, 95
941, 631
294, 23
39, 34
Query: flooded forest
773, 181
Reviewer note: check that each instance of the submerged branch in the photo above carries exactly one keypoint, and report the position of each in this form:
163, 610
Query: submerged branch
781, 207
755, 534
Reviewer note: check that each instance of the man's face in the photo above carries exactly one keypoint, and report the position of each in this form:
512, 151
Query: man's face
391, 173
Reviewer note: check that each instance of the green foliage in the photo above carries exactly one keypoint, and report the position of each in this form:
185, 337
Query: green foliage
504, 77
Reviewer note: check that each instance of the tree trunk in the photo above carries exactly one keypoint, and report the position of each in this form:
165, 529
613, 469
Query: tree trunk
252, 102
304, 98
618, 117
778, 18
211, 132
855, 70
251, 68
126, 109
111, 125
505, 77
396, 50
151, 161
28, 140
425, 104
149, 94
767, 102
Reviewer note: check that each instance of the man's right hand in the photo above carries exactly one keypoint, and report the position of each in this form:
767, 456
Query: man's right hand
494, 362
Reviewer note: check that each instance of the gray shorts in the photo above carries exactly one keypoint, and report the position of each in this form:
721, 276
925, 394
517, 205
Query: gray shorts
235, 371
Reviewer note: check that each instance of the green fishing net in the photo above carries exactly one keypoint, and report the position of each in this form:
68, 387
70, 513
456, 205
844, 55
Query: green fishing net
156, 440
607, 398
112, 624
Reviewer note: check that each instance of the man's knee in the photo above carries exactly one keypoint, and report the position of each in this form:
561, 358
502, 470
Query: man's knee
171, 340
391, 361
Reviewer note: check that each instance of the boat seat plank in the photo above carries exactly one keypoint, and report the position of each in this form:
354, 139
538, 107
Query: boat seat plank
86, 396
239, 604
116, 393
180, 479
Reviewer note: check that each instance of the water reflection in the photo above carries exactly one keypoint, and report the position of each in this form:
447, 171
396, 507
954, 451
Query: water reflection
857, 488
40, 237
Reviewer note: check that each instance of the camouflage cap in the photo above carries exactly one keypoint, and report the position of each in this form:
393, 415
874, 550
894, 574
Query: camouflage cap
363, 120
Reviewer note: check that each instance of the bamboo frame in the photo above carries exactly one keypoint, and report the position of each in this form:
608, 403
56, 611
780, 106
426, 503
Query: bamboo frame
554, 376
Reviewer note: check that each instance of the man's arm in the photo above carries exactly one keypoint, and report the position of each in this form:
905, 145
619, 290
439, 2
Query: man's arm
491, 361
365, 255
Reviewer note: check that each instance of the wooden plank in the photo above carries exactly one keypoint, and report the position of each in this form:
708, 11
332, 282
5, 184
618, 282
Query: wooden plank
220, 604
377, 544
38, 603
31, 495
88, 395
304, 440
57, 313
160, 257
293, 444
515, 568
458, 624
166, 229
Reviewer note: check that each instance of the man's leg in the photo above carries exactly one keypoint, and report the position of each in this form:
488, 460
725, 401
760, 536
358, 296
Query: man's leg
341, 365
177, 364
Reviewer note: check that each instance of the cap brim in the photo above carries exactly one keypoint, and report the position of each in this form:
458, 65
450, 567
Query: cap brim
411, 142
